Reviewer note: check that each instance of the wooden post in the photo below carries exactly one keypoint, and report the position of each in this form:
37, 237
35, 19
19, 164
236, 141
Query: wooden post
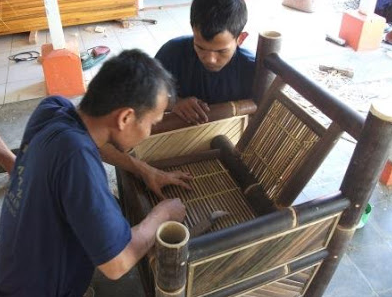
269, 42
358, 184
54, 23
171, 250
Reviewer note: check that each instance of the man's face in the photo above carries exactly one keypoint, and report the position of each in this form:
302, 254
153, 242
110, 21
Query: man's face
136, 129
216, 53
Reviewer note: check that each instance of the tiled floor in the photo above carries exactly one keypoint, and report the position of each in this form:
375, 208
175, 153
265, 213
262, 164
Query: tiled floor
366, 269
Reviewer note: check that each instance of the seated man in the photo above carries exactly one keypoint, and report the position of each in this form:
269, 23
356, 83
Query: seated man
209, 66
59, 219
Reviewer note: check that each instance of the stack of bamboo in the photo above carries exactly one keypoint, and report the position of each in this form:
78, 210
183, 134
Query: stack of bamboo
21, 16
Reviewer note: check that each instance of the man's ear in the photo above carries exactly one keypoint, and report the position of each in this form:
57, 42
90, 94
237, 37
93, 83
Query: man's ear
125, 117
241, 38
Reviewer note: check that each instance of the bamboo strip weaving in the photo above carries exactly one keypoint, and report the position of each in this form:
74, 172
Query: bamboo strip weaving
213, 189
278, 148
258, 257
291, 286
188, 140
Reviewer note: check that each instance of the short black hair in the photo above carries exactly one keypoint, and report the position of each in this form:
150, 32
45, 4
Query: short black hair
131, 79
212, 17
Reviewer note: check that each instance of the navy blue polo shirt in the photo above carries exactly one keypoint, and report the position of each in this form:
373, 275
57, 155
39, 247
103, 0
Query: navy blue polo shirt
59, 219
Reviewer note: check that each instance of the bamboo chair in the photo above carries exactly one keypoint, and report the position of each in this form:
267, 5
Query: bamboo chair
266, 247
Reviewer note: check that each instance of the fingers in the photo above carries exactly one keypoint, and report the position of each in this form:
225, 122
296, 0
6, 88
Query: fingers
182, 175
192, 110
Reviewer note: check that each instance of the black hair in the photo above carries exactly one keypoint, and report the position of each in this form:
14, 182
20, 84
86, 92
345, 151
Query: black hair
212, 17
131, 79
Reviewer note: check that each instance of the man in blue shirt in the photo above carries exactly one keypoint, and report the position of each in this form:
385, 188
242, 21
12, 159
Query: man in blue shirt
210, 67
59, 219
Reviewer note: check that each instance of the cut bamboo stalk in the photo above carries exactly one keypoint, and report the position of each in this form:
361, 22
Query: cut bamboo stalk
269, 42
358, 184
171, 249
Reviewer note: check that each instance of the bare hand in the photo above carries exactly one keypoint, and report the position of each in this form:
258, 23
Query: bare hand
156, 179
192, 110
173, 207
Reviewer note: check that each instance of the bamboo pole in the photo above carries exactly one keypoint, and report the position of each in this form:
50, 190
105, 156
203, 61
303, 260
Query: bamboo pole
171, 248
358, 184
269, 42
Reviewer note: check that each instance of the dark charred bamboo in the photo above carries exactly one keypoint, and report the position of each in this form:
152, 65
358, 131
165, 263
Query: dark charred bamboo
222, 240
308, 261
269, 42
231, 158
171, 248
300, 113
218, 111
348, 119
320, 207
336, 249
313, 160
366, 164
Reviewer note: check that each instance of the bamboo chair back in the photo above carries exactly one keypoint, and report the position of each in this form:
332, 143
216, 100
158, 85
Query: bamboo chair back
284, 145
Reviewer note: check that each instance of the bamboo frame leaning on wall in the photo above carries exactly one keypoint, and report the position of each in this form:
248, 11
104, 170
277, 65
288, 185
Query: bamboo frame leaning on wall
367, 162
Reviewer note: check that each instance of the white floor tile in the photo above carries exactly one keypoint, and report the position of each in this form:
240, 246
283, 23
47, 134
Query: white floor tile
5, 43
24, 70
2, 94
24, 90
3, 67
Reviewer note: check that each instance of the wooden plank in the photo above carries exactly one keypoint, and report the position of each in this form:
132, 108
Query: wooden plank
22, 16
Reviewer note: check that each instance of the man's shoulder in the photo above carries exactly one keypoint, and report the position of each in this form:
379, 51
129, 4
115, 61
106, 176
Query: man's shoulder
246, 55
174, 47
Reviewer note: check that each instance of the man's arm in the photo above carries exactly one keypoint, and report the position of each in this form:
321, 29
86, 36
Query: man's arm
143, 238
7, 158
154, 178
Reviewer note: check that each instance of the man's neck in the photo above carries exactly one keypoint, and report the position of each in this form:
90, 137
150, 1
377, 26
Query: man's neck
97, 128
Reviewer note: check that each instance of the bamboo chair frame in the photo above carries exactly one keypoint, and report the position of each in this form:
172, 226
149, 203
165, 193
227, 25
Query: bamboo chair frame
267, 247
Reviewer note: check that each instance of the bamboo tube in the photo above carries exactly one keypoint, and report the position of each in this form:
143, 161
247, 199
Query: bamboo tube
361, 177
269, 42
171, 248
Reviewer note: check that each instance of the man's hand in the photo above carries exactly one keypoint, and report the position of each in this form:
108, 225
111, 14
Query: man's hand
173, 207
191, 110
156, 179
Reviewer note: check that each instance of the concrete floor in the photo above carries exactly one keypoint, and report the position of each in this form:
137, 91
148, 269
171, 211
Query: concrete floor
366, 269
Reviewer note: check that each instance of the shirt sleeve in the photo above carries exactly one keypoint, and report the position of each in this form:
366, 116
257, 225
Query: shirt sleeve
89, 207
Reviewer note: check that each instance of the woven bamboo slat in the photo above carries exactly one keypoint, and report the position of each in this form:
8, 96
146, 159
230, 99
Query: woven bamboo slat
291, 286
277, 148
21, 16
212, 189
258, 257
189, 140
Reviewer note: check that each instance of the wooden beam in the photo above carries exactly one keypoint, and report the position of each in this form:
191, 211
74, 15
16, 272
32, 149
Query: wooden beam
33, 37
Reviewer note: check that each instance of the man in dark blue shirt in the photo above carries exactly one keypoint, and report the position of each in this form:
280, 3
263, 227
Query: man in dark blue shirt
210, 67
59, 219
